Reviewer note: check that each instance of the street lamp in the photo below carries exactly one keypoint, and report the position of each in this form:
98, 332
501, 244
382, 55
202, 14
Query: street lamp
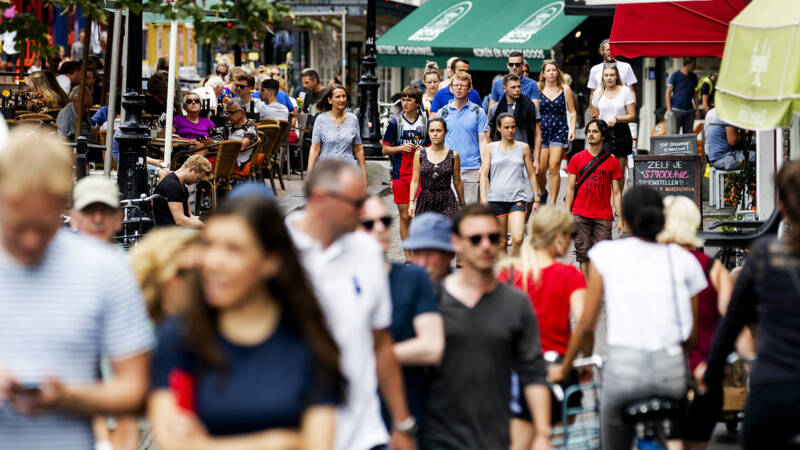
133, 137
368, 90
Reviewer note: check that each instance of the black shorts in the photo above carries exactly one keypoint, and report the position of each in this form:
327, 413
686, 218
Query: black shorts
11, 59
520, 410
619, 142
506, 208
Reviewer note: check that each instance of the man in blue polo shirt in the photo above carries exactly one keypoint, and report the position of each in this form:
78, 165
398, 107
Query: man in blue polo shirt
515, 65
680, 96
467, 132
445, 94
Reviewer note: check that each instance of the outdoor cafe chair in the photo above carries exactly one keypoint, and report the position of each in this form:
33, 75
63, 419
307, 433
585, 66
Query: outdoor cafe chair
268, 164
249, 169
220, 179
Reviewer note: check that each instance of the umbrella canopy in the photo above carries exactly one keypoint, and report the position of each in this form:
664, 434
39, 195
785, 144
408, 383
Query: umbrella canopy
759, 81
678, 29
482, 31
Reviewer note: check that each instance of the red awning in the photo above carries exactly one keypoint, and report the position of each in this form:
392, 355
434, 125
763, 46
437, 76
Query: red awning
677, 29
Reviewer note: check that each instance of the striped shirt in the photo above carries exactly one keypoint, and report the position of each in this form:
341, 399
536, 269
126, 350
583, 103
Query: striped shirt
56, 319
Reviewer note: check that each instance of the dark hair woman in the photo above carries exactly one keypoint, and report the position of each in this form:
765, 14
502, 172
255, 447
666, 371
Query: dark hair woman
434, 169
251, 361
650, 314
336, 133
767, 291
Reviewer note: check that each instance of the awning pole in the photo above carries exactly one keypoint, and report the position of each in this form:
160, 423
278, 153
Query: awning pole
173, 50
344, 48
112, 94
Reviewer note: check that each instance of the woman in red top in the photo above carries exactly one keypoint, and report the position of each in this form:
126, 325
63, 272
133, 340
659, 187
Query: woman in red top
680, 227
556, 290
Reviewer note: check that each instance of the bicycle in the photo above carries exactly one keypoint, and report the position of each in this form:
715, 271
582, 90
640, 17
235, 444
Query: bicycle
137, 220
579, 427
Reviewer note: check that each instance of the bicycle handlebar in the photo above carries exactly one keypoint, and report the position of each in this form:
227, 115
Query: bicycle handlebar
143, 199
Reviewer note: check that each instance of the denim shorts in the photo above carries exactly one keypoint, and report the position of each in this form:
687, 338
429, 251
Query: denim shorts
506, 208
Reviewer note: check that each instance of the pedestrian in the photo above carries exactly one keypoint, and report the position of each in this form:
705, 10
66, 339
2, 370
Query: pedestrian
66, 299
336, 134
590, 186
416, 327
557, 292
406, 135
429, 242
449, 72
705, 93
529, 88
467, 133
312, 91
526, 115
616, 105
95, 208
682, 219
251, 363
434, 169
649, 310
766, 292
347, 270
447, 93
558, 128
506, 169
627, 75
680, 98
173, 206
164, 262
430, 79
490, 329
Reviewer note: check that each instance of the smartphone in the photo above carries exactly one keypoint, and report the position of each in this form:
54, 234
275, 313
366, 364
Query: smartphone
26, 389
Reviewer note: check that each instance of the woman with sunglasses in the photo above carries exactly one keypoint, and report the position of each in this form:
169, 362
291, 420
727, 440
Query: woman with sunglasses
336, 133
506, 170
434, 168
557, 131
191, 126
251, 363
556, 292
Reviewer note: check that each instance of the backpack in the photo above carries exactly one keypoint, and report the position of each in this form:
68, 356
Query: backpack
472, 106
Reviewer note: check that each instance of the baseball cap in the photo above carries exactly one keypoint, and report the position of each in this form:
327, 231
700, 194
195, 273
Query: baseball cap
95, 189
429, 230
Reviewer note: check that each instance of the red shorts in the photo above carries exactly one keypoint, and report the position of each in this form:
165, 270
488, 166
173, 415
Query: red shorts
401, 189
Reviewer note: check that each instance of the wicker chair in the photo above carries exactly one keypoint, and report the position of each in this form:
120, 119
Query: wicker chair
227, 152
271, 143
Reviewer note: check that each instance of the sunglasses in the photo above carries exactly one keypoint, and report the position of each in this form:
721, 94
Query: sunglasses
230, 113
241, 86
514, 64
189, 101
476, 239
370, 224
357, 203
222, 74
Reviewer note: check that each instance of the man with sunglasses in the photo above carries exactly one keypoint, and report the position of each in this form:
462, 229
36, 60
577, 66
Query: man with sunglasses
490, 329
243, 86
347, 270
529, 88
240, 129
417, 327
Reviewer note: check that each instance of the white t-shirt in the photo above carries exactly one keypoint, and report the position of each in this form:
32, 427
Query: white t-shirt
352, 286
611, 107
273, 110
640, 295
64, 82
625, 74
9, 42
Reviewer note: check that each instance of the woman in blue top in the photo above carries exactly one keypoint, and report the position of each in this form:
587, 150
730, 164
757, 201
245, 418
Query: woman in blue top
251, 363
558, 129
336, 133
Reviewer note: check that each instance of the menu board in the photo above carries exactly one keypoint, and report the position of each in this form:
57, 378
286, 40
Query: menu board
672, 175
674, 144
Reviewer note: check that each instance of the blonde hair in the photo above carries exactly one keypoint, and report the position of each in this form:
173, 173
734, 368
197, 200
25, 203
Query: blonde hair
543, 228
54, 96
198, 163
682, 219
559, 74
33, 161
463, 76
431, 68
602, 83
154, 262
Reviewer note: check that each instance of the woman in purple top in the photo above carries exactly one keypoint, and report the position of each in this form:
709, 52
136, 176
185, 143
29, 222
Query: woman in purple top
192, 126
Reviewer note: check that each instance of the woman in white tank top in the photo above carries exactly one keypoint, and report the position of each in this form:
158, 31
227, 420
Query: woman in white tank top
506, 168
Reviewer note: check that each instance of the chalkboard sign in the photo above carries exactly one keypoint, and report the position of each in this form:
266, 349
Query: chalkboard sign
672, 175
674, 144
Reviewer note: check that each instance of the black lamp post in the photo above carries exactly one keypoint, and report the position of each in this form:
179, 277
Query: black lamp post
368, 90
134, 135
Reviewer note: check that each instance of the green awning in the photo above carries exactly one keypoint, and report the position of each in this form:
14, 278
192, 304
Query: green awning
481, 31
759, 80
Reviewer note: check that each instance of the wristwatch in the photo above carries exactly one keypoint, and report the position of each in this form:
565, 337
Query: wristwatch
408, 426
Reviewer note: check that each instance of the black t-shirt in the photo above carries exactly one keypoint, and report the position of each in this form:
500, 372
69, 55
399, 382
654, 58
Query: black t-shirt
173, 190
311, 98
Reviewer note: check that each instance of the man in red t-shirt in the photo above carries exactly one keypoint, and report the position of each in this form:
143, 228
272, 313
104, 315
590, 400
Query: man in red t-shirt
591, 182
